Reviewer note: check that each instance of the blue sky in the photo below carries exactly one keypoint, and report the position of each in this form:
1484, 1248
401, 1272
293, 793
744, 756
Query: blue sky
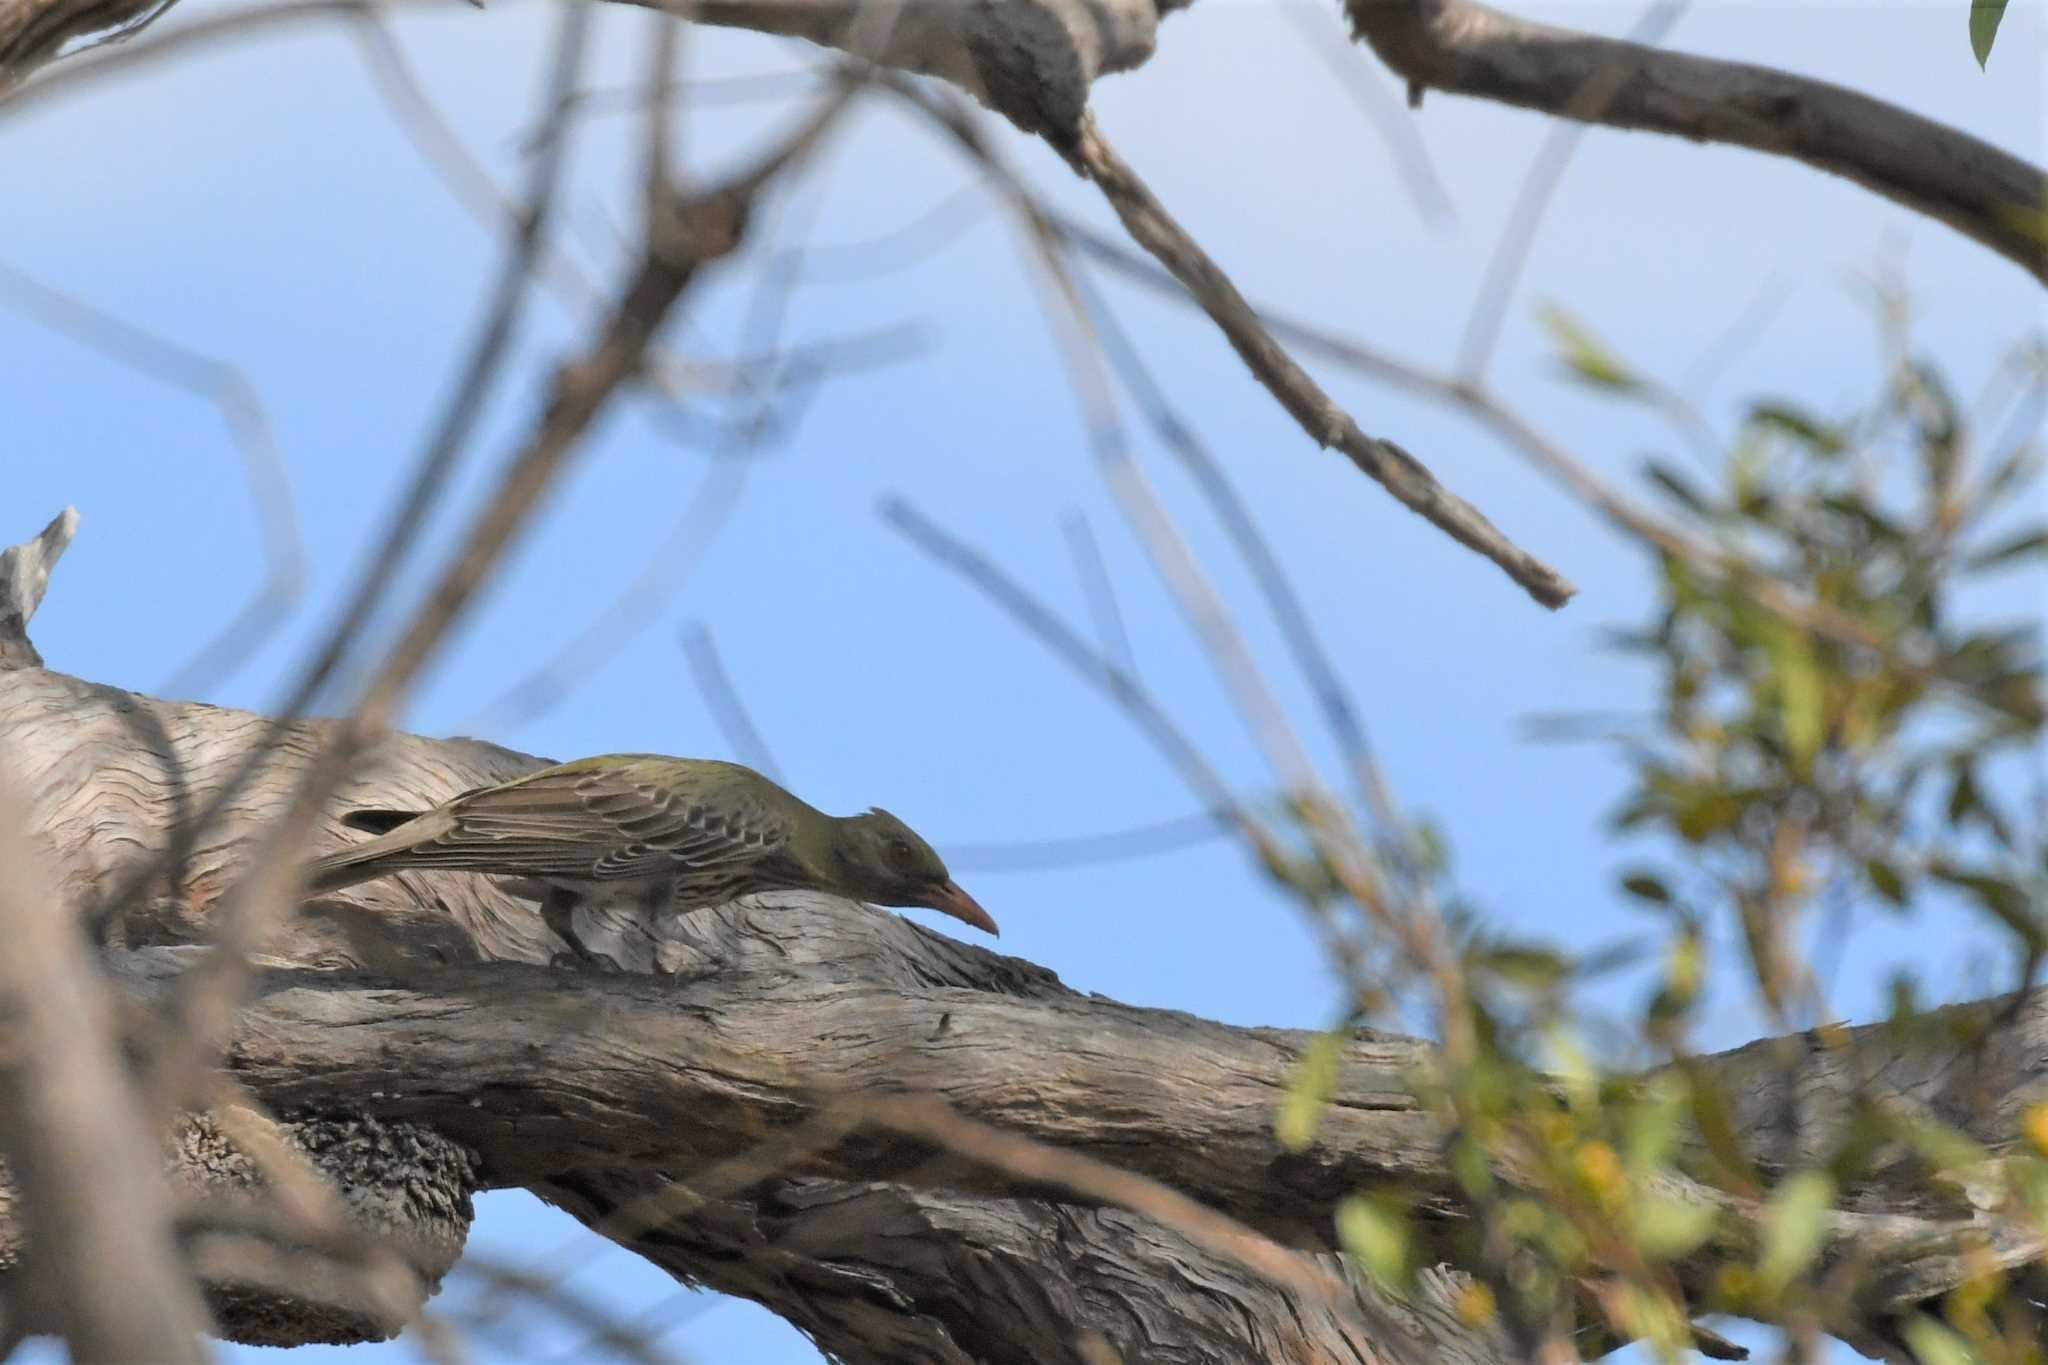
256, 202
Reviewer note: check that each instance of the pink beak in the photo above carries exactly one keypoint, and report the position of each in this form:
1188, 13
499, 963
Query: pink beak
948, 898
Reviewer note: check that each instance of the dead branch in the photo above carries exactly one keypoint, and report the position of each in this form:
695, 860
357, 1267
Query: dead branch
1468, 48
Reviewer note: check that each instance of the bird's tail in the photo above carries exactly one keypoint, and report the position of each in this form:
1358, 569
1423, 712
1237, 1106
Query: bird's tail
372, 857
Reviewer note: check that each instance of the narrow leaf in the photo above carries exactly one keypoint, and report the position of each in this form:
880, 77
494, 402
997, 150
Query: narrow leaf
1647, 887
2032, 541
1585, 355
1984, 17
1678, 487
1308, 1090
1794, 1223
1934, 1344
1377, 1238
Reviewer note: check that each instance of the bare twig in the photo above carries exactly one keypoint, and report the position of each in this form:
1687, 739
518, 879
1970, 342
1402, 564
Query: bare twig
603, 1325
1470, 48
636, 607
1519, 434
688, 235
1396, 128
914, 242
73, 77
79, 1141
429, 480
478, 192
1591, 100
310, 1206
658, 170
1026, 1159
1303, 641
1770, 298
727, 708
1142, 841
1400, 473
241, 407
701, 91
1102, 605
1122, 688
244, 915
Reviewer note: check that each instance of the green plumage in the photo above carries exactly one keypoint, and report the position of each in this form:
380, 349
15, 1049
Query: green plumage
681, 832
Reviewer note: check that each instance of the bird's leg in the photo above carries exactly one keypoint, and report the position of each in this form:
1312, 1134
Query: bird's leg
558, 909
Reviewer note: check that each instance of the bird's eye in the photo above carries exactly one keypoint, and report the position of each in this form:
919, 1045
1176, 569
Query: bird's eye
899, 852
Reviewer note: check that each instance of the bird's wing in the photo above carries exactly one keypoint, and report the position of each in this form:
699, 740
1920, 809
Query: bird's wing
607, 824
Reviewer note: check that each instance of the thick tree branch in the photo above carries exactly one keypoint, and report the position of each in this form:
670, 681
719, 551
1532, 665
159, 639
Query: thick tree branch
1033, 61
598, 1092
1468, 48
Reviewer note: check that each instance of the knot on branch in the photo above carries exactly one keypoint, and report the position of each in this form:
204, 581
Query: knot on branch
401, 1187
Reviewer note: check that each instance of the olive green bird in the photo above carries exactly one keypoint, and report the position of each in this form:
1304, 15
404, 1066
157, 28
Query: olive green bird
677, 832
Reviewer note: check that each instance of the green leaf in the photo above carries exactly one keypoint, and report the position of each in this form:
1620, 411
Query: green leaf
1984, 17
2031, 541
2014, 471
1802, 699
1700, 812
1585, 355
1645, 886
1308, 1090
1678, 487
1962, 794
1666, 1229
1794, 1223
1887, 880
1522, 964
1376, 1237
2007, 901
1934, 1344
1821, 438
1654, 1127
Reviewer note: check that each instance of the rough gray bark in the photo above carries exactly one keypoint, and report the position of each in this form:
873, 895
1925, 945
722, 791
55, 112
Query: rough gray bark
736, 1023
1468, 48
1035, 61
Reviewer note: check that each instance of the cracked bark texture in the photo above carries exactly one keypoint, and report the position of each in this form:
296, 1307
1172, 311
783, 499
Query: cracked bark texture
872, 1252
594, 1091
1467, 48
1036, 61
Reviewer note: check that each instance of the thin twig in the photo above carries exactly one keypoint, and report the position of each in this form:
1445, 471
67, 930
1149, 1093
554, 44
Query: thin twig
1282, 599
68, 78
242, 918
241, 407
477, 191
913, 242
658, 171
79, 1143
1142, 841
1151, 720
1315, 26
548, 1291
727, 709
934, 1121
1516, 431
637, 606
701, 91
1101, 593
1595, 94
1400, 473
429, 480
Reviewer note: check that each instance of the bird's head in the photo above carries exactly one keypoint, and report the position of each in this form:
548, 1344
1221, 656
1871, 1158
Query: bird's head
876, 857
